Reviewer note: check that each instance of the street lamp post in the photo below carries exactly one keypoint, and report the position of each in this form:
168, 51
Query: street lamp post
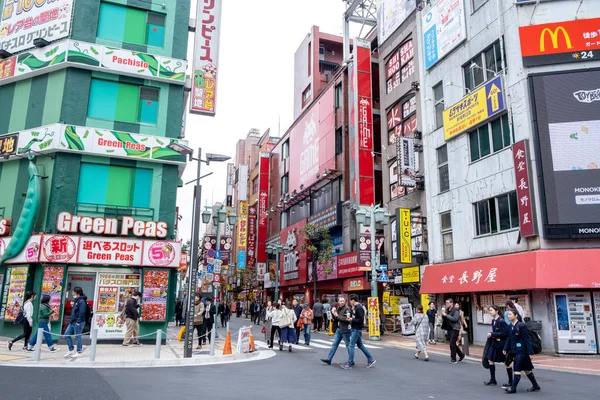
369, 216
277, 249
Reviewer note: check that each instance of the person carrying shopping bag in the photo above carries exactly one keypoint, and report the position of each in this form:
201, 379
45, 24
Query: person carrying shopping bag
306, 318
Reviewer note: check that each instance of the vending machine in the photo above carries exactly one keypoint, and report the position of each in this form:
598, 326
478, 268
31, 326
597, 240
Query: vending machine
575, 323
597, 317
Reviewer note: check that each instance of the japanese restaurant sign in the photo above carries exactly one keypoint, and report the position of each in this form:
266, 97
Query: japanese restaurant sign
521, 159
354, 284
206, 57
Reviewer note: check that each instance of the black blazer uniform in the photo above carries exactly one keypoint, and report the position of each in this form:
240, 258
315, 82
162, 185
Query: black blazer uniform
500, 333
519, 344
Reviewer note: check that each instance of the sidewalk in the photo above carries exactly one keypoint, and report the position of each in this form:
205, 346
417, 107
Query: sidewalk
581, 364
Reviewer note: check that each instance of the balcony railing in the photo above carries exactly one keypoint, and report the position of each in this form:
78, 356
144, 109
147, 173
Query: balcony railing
118, 212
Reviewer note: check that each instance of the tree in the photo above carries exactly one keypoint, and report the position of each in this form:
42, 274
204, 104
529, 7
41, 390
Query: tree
185, 247
316, 241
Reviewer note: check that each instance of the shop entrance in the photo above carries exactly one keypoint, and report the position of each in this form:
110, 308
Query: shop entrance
86, 281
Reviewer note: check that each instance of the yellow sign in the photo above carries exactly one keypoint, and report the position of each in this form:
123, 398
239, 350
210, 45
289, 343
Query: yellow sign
403, 216
475, 108
554, 38
395, 304
425, 301
243, 226
374, 321
411, 275
386, 303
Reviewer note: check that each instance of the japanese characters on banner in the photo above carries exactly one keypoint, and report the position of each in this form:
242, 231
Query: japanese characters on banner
521, 159
405, 148
112, 294
226, 246
206, 57
263, 204
230, 183
252, 217
242, 230
8, 144
16, 292
52, 285
154, 295
348, 266
22, 22
400, 66
444, 28
242, 180
325, 270
373, 317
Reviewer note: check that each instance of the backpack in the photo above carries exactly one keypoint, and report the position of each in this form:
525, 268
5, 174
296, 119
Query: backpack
536, 342
88, 314
21, 318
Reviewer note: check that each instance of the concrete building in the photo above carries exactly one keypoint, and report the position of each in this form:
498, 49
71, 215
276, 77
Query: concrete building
509, 170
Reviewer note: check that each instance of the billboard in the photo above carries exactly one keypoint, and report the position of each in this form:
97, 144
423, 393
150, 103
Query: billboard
522, 163
242, 182
390, 15
560, 42
567, 108
263, 208
22, 22
242, 231
251, 259
206, 57
404, 233
444, 28
313, 137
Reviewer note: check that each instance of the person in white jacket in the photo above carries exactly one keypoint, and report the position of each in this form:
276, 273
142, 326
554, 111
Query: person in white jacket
27, 321
274, 315
288, 331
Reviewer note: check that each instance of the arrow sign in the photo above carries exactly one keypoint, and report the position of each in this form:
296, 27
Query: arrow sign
383, 267
218, 254
495, 95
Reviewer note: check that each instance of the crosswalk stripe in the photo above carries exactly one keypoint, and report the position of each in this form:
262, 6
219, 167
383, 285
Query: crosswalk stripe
265, 346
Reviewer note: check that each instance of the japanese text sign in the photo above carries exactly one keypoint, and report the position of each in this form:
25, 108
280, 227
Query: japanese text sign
263, 206
521, 161
348, 265
354, 284
475, 108
206, 57
560, 42
251, 259
242, 233
8, 144
444, 28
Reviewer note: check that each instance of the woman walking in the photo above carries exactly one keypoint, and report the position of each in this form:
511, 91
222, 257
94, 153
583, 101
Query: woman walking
273, 316
421, 323
178, 312
495, 345
306, 318
288, 330
44, 316
463, 324
519, 344
27, 321
199, 320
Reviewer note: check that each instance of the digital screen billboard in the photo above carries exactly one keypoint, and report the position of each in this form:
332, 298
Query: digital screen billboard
567, 108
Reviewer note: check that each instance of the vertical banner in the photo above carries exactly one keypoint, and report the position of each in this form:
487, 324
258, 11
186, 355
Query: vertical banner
206, 57
252, 211
242, 182
230, 183
405, 149
374, 321
263, 207
522, 163
242, 239
404, 233
52, 285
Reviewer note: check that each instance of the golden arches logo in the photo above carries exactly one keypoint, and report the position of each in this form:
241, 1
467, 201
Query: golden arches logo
554, 38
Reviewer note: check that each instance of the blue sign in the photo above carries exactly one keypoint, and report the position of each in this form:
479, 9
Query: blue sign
218, 254
383, 267
199, 274
383, 277
241, 263
211, 253
210, 268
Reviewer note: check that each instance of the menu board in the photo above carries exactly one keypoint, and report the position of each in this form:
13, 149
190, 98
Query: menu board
112, 293
16, 292
52, 285
154, 300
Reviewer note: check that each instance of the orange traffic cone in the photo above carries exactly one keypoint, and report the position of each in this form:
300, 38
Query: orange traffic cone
252, 347
227, 347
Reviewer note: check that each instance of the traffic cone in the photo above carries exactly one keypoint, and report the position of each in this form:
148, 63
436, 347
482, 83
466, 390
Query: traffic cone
252, 347
330, 328
227, 347
181, 333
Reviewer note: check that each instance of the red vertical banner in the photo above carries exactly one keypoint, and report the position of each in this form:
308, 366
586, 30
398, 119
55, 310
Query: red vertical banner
263, 203
522, 164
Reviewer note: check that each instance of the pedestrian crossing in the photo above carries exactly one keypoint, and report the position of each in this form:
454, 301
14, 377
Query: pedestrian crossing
314, 344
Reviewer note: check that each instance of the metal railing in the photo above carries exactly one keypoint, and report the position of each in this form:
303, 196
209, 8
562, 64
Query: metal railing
118, 212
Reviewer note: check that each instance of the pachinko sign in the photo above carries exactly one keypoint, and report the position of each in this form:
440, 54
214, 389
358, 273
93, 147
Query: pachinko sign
206, 57
23, 21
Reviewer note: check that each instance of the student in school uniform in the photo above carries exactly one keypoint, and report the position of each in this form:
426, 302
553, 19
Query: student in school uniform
519, 344
497, 338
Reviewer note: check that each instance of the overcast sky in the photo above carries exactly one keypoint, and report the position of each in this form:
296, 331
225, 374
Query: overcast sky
255, 82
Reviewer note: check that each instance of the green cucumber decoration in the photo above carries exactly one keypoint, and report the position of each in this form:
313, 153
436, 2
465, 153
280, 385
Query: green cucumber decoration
28, 215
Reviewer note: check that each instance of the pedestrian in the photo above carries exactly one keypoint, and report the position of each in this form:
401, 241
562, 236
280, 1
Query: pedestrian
357, 324
257, 310
306, 319
515, 300
44, 315
495, 344
519, 344
431, 315
274, 315
287, 322
199, 319
227, 312
77, 322
25, 317
238, 309
252, 311
510, 304
209, 319
463, 324
326, 314
421, 324
297, 310
221, 312
178, 312
132, 323
342, 316
318, 311
452, 324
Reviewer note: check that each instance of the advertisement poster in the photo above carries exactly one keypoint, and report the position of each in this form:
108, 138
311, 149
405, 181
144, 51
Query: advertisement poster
243, 343
107, 299
154, 300
374, 321
390, 15
444, 29
52, 285
6, 277
112, 288
406, 315
16, 292
325, 270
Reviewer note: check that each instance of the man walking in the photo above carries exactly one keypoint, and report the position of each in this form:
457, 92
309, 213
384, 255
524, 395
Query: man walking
318, 310
357, 323
238, 309
452, 317
343, 315
221, 312
76, 323
515, 300
431, 315
132, 317
209, 319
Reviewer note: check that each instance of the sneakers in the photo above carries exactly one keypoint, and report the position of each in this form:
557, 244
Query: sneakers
29, 349
54, 350
461, 358
490, 383
69, 353
137, 344
9, 345
346, 366
506, 385
453, 362
371, 363
125, 345
326, 361
534, 389
76, 355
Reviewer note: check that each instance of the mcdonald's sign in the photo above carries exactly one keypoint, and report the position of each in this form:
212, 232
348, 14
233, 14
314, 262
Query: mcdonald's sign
560, 42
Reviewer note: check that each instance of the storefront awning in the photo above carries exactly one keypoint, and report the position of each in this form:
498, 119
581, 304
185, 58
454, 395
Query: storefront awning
542, 269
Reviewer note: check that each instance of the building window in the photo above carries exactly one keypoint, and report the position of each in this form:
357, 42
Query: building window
394, 234
446, 230
400, 66
306, 96
325, 197
483, 67
123, 102
309, 58
285, 149
497, 214
285, 187
283, 219
321, 53
339, 140
113, 185
395, 189
438, 103
339, 100
131, 25
443, 174
490, 138
254, 185
477, 3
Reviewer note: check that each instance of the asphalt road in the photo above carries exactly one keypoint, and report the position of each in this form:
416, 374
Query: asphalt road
289, 375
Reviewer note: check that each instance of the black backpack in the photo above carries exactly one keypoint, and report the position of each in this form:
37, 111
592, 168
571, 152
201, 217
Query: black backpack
536, 342
21, 318
88, 314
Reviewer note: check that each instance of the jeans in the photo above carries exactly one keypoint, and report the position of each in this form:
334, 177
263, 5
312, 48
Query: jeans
454, 349
356, 340
431, 331
47, 335
74, 329
306, 330
337, 338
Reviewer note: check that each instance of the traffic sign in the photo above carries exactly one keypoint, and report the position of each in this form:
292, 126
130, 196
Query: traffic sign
383, 278
217, 263
383, 267
211, 253
209, 277
199, 274
210, 268
217, 278
217, 268
218, 254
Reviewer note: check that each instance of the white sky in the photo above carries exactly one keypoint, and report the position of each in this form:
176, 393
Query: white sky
255, 82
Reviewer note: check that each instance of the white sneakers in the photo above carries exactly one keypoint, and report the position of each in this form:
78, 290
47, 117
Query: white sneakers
72, 354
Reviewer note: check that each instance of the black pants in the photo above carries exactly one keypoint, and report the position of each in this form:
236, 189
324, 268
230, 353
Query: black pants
223, 320
318, 323
208, 327
26, 334
200, 329
297, 332
273, 330
454, 349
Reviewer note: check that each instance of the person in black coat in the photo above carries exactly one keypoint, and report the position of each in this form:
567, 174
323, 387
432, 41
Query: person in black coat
519, 344
496, 342
209, 319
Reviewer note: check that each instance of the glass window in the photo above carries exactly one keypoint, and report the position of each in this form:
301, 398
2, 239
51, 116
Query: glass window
123, 102
477, 4
479, 140
446, 230
339, 140
155, 29
484, 66
339, 98
438, 98
285, 149
285, 184
483, 218
497, 214
443, 175
131, 25
254, 185
114, 185
284, 215
148, 105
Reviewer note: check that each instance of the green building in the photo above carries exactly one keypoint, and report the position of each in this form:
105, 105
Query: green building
93, 91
